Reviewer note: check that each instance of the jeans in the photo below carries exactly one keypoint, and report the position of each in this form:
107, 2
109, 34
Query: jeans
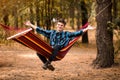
52, 57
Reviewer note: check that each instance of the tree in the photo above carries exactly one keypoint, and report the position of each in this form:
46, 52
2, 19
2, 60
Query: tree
47, 14
31, 14
37, 13
115, 12
72, 13
84, 15
104, 37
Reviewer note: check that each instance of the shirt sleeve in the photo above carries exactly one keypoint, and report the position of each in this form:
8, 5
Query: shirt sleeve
75, 34
46, 33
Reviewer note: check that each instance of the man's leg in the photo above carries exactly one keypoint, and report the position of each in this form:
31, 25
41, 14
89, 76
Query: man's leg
46, 63
54, 53
52, 57
42, 58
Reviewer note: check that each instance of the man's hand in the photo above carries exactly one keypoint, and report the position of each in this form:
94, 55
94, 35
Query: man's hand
28, 23
91, 27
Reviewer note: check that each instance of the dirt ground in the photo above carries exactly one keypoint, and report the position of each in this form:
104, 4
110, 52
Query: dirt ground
21, 63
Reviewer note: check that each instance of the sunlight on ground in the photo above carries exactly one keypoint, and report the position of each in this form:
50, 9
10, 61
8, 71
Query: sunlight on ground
28, 55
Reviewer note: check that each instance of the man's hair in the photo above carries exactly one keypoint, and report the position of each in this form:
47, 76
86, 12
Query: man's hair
62, 21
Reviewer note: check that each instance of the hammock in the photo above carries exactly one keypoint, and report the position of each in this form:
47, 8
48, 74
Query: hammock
10, 28
33, 41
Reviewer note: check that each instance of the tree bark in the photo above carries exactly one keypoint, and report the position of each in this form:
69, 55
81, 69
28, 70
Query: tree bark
6, 19
84, 15
15, 14
72, 13
38, 13
104, 37
115, 10
48, 18
31, 14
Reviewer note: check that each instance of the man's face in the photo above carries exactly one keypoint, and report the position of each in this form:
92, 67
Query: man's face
60, 26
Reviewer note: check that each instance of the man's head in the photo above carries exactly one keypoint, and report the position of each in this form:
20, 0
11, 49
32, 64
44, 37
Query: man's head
60, 25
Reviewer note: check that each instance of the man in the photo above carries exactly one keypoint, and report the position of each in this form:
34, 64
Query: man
58, 39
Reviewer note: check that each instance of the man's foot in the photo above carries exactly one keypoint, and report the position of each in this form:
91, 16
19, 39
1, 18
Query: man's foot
44, 67
50, 67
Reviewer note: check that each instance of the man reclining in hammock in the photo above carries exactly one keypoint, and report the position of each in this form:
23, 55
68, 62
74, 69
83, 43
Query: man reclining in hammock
58, 40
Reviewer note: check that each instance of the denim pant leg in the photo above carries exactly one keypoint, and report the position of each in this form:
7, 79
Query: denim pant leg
54, 53
42, 58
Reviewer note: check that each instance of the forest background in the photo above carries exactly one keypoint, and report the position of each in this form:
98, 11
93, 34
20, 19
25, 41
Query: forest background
44, 13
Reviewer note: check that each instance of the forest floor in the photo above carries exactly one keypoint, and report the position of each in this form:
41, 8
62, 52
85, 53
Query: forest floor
20, 63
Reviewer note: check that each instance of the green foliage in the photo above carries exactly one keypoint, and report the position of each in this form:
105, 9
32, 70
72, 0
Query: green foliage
3, 37
115, 27
21, 9
16, 12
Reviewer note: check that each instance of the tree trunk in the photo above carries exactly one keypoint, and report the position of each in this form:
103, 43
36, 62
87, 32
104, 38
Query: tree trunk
78, 20
72, 13
38, 13
47, 14
104, 37
6, 19
31, 14
115, 12
15, 14
48, 21
84, 15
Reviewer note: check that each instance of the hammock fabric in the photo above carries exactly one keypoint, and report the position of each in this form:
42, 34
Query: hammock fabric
33, 41
10, 28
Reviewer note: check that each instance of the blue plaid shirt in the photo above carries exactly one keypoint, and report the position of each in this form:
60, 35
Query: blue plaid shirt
59, 38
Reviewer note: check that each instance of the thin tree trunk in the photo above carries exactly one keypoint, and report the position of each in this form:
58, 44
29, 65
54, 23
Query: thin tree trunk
115, 12
84, 21
31, 14
37, 13
72, 13
78, 20
15, 14
6, 19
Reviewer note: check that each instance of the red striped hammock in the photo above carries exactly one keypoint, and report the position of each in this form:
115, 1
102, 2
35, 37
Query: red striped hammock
33, 41
11, 28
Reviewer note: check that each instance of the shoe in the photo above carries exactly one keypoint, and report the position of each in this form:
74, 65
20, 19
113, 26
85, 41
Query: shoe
50, 67
44, 67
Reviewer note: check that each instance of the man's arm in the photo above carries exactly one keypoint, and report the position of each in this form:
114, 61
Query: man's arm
80, 32
88, 28
39, 30
28, 23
